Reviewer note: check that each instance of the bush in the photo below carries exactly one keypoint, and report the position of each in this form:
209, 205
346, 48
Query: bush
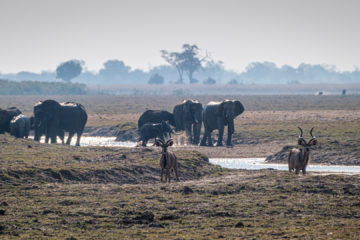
156, 79
210, 81
233, 81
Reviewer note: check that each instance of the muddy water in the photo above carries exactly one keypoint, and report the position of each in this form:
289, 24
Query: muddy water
236, 163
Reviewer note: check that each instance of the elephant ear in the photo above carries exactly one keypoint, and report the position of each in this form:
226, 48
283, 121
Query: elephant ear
239, 108
220, 110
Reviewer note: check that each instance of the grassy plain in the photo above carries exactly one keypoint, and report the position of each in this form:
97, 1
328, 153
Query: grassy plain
62, 192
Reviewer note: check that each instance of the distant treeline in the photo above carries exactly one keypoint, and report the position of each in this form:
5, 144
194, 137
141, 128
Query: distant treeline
41, 88
117, 72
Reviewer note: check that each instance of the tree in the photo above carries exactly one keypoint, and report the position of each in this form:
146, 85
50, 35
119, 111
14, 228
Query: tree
188, 61
210, 80
156, 79
174, 59
114, 71
69, 70
233, 82
191, 61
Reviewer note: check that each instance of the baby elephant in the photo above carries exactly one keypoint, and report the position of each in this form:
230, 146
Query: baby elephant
20, 126
168, 160
299, 158
154, 130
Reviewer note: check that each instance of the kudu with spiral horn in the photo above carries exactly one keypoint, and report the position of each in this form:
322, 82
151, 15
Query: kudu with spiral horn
168, 160
299, 158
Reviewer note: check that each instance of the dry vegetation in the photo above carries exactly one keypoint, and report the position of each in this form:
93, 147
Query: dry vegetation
62, 192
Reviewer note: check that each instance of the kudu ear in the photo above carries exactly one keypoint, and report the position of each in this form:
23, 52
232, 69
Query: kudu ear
170, 142
158, 143
313, 142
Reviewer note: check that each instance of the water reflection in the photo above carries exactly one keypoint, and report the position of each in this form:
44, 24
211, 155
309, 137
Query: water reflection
95, 141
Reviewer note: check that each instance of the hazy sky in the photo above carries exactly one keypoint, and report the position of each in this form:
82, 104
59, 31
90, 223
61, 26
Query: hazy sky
39, 34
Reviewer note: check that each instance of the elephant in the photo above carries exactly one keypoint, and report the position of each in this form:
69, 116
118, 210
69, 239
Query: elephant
188, 117
156, 116
154, 130
52, 117
20, 126
217, 115
42, 131
6, 115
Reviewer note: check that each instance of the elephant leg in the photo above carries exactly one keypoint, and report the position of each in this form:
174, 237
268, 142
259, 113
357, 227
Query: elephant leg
53, 138
144, 142
210, 143
188, 132
229, 142
78, 135
203, 140
61, 135
196, 134
304, 170
21, 132
71, 134
220, 137
221, 126
230, 133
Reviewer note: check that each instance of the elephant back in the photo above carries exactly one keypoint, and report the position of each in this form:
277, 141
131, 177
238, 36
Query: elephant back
155, 116
6, 115
73, 116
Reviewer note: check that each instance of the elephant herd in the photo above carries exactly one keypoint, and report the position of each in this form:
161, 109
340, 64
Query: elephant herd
50, 118
53, 119
189, 116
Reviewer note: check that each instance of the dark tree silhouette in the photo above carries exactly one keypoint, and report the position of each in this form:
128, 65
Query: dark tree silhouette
188, 61
174, 59
69, 70
156, 79
210, 81
191, 61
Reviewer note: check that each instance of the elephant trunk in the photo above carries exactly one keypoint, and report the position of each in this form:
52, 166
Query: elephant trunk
197, 130
38, 130
231, 127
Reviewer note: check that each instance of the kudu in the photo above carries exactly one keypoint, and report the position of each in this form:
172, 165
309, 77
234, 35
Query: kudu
168, 160
299, 158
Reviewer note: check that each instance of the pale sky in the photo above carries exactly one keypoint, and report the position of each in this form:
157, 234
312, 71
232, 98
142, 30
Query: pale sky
37, 35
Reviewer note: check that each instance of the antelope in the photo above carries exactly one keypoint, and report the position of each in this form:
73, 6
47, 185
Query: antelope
299, 158
168, 160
